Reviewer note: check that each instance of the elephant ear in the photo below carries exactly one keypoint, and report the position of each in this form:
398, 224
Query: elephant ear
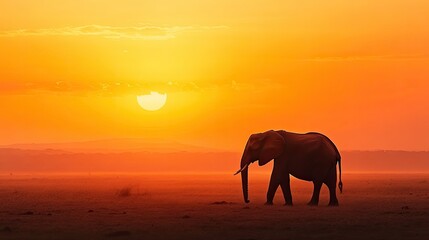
273, 146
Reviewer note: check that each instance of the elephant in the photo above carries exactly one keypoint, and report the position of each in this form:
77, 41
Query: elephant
307, 156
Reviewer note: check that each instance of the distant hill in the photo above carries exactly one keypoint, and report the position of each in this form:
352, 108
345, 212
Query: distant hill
51, 160
114, 146
12, 160
385, 161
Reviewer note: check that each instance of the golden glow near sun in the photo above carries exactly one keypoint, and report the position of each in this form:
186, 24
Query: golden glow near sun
153, 101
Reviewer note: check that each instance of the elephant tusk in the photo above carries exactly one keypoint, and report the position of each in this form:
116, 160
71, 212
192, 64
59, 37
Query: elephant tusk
239, 171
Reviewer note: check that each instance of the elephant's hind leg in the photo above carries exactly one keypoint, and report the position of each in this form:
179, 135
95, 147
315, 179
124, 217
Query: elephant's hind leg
316, 192
331, 182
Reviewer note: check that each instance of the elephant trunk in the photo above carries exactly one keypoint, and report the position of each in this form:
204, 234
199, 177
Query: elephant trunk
244, 181
245, 178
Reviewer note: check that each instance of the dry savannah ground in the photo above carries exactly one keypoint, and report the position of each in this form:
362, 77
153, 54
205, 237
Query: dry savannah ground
208, 206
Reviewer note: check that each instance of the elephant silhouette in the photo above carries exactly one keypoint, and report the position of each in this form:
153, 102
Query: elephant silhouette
311, 156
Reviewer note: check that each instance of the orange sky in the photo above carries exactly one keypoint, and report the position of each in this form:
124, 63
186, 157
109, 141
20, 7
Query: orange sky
355, 70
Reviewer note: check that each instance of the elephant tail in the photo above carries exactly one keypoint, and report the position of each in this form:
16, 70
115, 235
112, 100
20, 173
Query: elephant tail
340, 184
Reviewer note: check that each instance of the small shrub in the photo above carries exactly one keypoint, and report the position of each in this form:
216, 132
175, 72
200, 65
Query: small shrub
124, 192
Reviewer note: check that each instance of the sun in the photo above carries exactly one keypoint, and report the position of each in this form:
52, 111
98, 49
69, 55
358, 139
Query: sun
153, 101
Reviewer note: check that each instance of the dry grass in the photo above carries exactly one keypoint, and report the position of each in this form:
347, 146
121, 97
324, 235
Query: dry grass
379, 206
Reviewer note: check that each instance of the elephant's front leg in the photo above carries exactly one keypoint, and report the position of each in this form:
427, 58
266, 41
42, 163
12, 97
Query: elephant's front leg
274, 184
285, 185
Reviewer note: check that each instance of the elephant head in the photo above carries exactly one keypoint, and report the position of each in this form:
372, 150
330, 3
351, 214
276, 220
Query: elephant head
263, 147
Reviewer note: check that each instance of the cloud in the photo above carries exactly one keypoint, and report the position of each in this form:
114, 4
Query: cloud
99, 87
120, 87
366, 58
144, 32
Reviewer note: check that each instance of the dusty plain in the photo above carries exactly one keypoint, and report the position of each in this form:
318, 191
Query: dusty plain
208, 206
